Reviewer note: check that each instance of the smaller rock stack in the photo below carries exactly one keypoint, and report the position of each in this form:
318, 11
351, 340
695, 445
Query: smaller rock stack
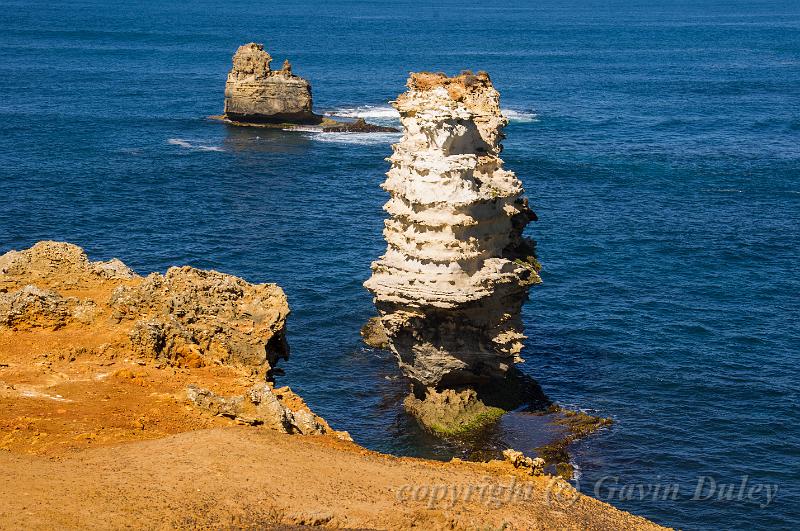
456, 269
255, 93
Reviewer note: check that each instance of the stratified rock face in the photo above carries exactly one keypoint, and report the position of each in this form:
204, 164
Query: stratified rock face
255, 93
456, 269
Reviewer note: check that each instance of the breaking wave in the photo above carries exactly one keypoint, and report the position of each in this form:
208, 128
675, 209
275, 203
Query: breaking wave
387, 115
356, 138
523, 117
190, 145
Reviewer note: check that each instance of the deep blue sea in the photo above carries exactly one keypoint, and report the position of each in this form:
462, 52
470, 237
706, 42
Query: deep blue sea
659, 143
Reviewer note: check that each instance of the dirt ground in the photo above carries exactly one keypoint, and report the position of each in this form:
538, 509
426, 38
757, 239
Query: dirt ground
245, 478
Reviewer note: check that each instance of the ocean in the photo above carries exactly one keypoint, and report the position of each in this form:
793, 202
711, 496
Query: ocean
658, 142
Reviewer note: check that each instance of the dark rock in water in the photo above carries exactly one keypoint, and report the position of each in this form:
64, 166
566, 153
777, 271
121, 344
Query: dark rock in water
451, 412
374, 334
359, 126
458, 411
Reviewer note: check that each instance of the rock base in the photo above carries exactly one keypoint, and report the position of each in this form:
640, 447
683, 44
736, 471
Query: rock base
374, 334
451, 412
319, 124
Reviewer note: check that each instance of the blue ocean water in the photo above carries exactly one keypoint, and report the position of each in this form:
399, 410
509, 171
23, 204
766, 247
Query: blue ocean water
659, 144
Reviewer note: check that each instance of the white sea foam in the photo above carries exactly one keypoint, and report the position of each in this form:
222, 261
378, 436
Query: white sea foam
386, 114
357, 138
375, 112
523, 117
194, 146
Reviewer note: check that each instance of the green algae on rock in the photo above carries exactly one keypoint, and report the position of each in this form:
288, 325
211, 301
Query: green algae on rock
451, 412
578, 425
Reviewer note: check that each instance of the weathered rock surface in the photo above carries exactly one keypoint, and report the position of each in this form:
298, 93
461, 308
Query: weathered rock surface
457, 268
374, 334
260, 406
187, 316
189, 312
118, 347
451, 412
50, 261
520, 460
256, 93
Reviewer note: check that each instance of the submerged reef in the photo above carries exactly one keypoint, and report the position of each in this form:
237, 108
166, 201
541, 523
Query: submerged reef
457, 267
256, 95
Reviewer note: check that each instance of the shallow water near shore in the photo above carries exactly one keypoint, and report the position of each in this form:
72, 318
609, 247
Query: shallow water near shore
660, 147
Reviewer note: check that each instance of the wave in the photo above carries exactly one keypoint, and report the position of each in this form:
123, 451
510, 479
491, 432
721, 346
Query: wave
388, 115
363, 139
375, 112
523, 117
723, 190
195, 146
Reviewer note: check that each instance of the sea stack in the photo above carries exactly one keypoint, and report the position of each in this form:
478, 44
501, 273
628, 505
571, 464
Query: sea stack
255, 93
457, 268
257, 96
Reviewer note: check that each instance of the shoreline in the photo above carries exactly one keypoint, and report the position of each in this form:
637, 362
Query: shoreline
246, 478
96, 368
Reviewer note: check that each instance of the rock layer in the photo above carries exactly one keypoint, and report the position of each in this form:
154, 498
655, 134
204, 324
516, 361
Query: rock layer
457, 268
256, 93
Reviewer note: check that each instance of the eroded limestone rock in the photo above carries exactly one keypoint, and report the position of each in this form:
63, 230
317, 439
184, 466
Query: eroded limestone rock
189, 312
520, 460
260, 405
374, 334
257, 96
188, 316
32, 307
30, 280
451, 412
457, 268
256, 93
61, 262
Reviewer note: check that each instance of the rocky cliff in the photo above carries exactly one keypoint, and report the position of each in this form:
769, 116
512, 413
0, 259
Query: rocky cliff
256, 93
131, 357
457, 268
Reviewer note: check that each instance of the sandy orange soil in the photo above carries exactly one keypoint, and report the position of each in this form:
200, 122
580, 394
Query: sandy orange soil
246, 477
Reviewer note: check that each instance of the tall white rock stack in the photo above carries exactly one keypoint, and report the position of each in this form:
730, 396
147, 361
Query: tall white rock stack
457, 269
